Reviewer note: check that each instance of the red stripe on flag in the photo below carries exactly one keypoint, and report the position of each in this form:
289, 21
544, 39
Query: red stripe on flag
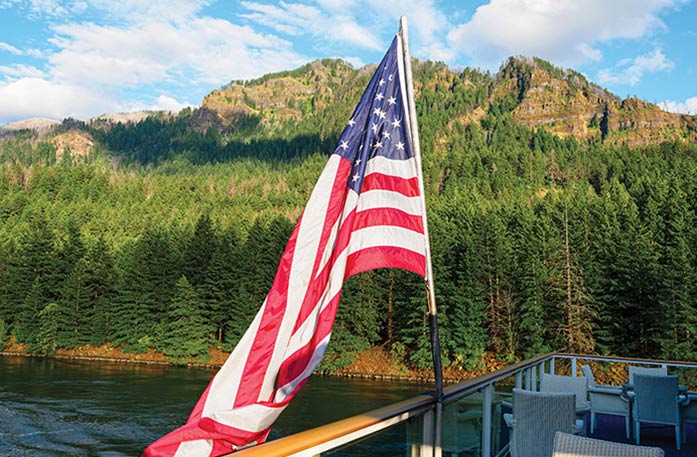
388, 217
385, 257
379, 181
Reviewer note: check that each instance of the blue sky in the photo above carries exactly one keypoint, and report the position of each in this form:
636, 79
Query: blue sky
83, 58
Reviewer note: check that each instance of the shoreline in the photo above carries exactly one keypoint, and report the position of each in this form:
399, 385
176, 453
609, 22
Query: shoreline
354, 371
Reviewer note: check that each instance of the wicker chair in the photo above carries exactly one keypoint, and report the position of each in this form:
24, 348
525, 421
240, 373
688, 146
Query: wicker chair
634, 370
606, 400
536, 417
566, 445
657, 400
578, 385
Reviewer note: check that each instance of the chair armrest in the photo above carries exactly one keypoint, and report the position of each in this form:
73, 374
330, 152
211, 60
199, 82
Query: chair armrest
609, 390
600, 393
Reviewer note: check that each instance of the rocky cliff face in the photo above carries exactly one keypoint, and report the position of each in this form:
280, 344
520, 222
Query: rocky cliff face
565, 103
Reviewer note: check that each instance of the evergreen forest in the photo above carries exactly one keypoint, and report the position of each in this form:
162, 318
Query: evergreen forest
167, 236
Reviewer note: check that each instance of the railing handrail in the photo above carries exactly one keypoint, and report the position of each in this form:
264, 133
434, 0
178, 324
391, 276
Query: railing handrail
607, 358
389, 415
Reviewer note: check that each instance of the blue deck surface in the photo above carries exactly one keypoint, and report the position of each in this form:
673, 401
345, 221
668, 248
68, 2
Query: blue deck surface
611, 428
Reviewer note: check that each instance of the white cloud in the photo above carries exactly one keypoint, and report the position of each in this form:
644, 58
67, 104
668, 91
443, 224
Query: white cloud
296, 19
162, 103
562, 31
167, 103
689, 106
630, 71
358, 23
129, 10
9, 48
18, 71
356, 62
150, 10
202, 50
35, 97
19, 52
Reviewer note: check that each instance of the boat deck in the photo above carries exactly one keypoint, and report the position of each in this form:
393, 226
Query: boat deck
611, 428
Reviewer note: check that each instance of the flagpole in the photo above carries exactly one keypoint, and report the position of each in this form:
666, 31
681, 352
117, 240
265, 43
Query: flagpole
432, 314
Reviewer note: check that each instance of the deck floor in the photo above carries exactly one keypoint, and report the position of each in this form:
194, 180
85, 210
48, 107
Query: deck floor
612, 428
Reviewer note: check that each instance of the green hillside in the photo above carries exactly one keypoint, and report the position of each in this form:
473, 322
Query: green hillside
562, 218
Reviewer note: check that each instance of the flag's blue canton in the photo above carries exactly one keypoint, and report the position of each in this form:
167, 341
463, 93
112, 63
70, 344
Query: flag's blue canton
378, 126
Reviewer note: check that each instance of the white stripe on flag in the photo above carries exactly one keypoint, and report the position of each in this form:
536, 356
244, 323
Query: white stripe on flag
253, 418
380, 236
197, 447
317, 355
401, 168
374, 199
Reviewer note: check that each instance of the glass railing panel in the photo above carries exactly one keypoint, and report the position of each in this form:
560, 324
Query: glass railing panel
462, 427
403, 439
500, 406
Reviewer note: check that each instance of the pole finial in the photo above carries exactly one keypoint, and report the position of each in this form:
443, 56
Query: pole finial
402, 25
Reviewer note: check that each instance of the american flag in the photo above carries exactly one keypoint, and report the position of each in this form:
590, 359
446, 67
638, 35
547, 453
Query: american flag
365, 212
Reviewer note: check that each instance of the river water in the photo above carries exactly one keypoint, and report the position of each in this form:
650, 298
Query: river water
51, 407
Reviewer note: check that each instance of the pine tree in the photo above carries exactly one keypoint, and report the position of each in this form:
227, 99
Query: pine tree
220, 289
531, 275
186, 335
677, 279
568, 289
49, 321
461, 294
199, 251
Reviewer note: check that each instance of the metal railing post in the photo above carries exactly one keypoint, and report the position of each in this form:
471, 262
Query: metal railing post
528, 383
427, 448
487, 398
519, 379
533, 381
551, 365
573, 366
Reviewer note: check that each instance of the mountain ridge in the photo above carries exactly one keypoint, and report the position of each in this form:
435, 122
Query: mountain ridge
562, 101
320, 95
